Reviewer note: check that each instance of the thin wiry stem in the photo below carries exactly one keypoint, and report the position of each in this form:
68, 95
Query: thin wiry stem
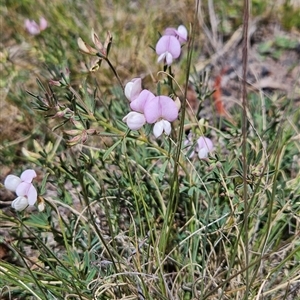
244, 136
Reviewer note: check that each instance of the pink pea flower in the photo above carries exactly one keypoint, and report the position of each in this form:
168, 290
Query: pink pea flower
24, 189
168, 48
161, 110
204, 146
33, 28
180, 33
133, 88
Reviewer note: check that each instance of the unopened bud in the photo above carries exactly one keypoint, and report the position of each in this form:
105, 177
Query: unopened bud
73, 132
85, 48
77, 124
178, 103
55, 82
75, 140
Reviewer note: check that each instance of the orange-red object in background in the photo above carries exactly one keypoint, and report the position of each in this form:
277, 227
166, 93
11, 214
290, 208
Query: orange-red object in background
217, 95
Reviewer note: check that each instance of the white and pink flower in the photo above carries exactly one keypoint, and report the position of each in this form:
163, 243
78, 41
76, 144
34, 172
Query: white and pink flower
180, 33
168, 48
23, 187
161, 110
202, 147
148, 108
34, 28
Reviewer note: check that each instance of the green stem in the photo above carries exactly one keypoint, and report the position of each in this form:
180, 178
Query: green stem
115, 72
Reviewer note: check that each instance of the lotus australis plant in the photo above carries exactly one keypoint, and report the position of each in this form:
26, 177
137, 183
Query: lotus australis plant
24, 189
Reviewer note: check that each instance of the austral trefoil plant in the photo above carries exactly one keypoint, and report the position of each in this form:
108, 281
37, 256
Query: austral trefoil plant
24, 189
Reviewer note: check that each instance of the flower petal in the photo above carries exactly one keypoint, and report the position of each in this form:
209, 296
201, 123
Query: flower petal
28, 175
20, 203
204, 142
169, 58
32, 27
182, 33
139, 103
134, 120
168, 43
169, 110
43, 23
170, 31
204, 146
32, 195
162, 57
158, 128
133, 88
23, 188
152, 110
167, 127
11, 182
203, 153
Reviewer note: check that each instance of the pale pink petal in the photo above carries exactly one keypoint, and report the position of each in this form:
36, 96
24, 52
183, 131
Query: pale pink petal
133, 89
127, 90
168, 108
160, 107
158, 128
43, 23
182, 34
32, 195
23, 188
152, 110
204, 142
204, 146
139, 103
134, 120
32, 27
28, 175
168, 43
170, 31
20, 203
11, 182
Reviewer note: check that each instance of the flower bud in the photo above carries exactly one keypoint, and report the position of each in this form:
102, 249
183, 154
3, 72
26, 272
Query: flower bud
85, 48
178, 103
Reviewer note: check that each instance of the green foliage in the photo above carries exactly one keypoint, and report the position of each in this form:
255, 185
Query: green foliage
127, 216
290, 16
